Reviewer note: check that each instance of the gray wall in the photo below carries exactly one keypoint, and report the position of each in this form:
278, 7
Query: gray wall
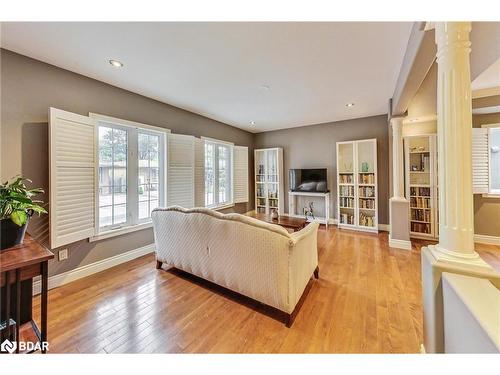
29, 87
315, 147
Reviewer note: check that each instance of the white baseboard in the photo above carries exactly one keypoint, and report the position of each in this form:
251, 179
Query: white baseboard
89, 269
490, 240
399, 244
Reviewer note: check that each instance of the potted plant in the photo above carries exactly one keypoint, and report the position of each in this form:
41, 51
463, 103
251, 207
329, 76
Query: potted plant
16, 208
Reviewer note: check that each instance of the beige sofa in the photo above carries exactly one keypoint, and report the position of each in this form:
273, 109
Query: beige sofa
259, 260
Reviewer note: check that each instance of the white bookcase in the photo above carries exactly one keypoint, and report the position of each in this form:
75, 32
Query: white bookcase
421, 185
357, 189
269, 193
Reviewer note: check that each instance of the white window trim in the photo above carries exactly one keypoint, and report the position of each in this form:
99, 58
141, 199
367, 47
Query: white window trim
120, 231
490, 194
128, 227
222, 206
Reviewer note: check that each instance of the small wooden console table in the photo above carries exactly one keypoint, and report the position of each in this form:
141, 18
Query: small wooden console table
292, 204
18, 266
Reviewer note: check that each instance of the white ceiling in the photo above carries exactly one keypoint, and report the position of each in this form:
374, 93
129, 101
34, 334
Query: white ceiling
219, 69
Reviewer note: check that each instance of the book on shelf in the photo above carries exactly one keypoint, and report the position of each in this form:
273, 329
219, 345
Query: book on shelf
420, 202
346, 191
367, 203
346, 202
424, 228
421, 215
367, 178
421, 191
366, 220
346, 178
366, 191
346, 218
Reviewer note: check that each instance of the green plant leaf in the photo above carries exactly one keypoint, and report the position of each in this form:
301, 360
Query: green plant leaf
19, 217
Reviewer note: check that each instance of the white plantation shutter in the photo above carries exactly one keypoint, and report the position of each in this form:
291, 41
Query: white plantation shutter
199, 172
240, 174
180, 170
480, 161
73, 163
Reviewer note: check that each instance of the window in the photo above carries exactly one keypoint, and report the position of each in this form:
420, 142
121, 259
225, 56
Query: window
486, 160
494, 155
218, 173
149, 173
112, 176
131, 174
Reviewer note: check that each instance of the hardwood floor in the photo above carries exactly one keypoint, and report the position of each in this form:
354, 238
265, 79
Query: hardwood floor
367, 300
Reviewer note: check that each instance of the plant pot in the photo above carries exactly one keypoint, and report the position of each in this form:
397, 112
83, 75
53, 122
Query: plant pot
11, 234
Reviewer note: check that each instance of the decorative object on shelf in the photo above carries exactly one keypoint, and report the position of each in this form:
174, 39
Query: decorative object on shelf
274, 214
16, 208
364, 167
309, 211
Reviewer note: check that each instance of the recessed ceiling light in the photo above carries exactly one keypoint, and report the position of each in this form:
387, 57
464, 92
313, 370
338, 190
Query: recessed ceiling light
116, 63
264, 87
349, 105
252, 122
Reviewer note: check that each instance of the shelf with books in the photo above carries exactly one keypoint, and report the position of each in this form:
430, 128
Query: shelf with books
357, 185
269, 180
421, 180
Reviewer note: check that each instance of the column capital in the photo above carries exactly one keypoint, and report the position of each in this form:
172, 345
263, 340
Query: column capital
450, 37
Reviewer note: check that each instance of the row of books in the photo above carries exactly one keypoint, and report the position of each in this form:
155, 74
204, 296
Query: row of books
346, 218
420, 202
262, 170
421, 215
421, 228
366, 220
366, 191
262, 178
367, 203
346, 178
422, 191
346, 202
346, 191
365, 178
273, 202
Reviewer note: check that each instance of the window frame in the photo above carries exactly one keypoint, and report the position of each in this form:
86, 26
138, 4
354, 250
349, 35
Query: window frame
216, 143
133, 223
492, 193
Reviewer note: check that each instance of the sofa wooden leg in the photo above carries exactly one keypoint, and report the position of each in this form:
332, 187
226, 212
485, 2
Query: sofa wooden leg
316, 273
289, 319
158, 264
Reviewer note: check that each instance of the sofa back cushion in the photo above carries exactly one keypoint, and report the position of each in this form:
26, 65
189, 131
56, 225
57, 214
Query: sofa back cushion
240, 253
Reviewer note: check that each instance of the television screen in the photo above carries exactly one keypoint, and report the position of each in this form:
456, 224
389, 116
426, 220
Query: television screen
308, 180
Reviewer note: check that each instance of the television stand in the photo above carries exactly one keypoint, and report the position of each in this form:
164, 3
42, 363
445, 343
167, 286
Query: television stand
292, 205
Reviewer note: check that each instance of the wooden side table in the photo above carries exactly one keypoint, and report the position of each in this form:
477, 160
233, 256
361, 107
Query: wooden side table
18, 266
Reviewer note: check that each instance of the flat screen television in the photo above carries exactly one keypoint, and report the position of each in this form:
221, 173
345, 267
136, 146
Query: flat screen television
308, 180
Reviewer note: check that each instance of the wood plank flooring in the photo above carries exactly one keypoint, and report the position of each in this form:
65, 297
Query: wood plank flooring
367, 300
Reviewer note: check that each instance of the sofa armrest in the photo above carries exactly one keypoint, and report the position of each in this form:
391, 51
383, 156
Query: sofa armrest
303, 261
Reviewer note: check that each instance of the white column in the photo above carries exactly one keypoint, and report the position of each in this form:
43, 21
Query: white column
456, 218
399, 232
397, 157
